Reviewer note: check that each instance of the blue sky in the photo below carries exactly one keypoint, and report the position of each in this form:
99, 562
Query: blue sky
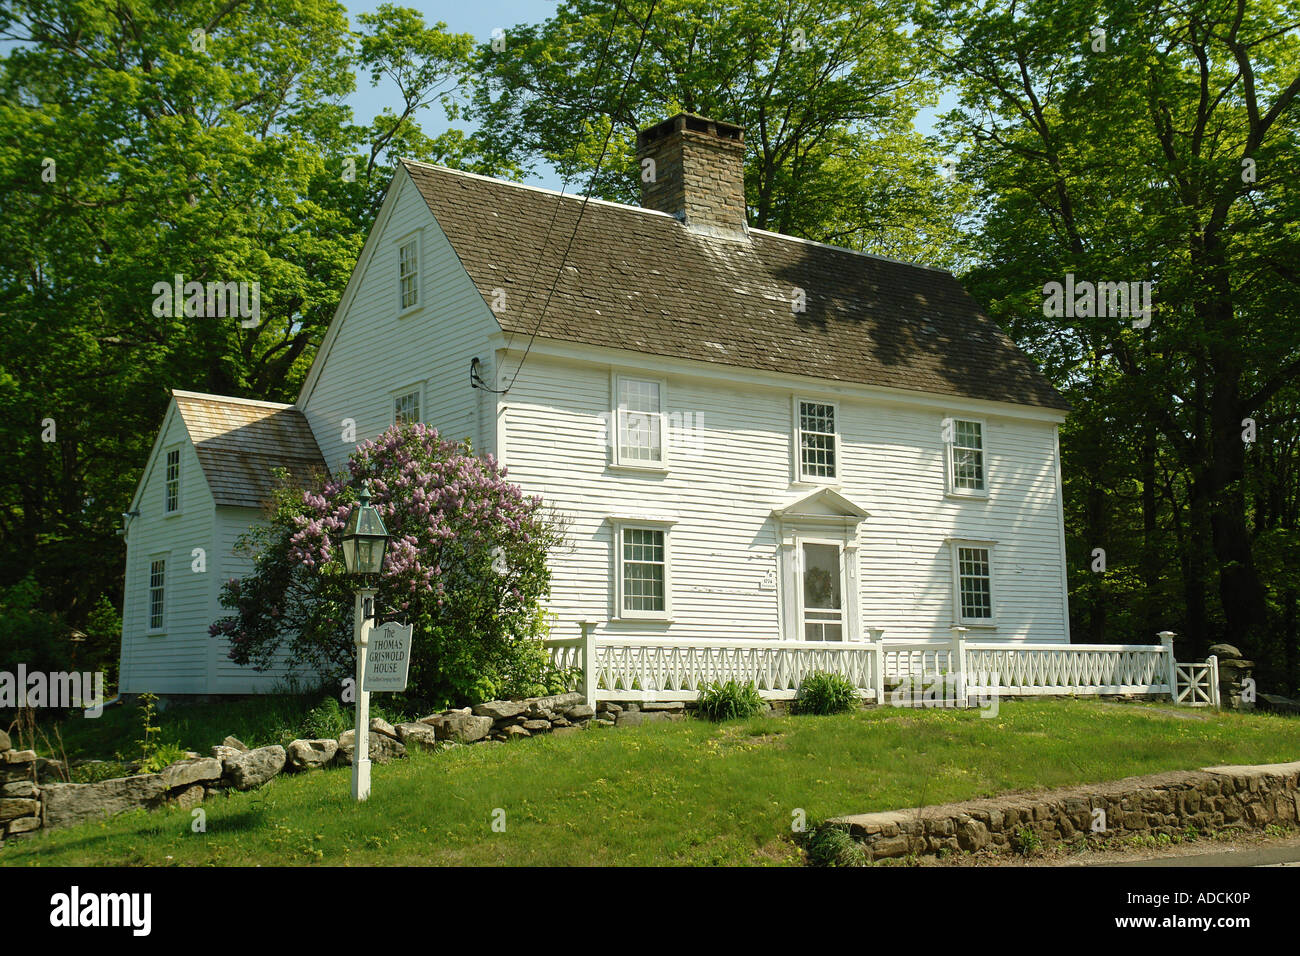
480, 18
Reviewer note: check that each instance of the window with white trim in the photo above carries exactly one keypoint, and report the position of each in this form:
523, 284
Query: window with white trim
966, 457
818, 441
408, 273
157, 593
641, 423
973, 579
172, 488
643, 571
406, 407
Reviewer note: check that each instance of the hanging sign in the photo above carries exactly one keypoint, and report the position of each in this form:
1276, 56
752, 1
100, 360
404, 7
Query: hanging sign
388, 658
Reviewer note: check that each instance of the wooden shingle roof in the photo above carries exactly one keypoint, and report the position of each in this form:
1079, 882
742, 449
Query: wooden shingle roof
240, 442
638, 279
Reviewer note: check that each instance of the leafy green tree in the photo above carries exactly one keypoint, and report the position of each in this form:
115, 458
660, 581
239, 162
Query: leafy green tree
1146, 143
140, 141
826, 91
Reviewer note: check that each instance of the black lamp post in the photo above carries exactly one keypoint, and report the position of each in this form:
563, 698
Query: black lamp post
365, 541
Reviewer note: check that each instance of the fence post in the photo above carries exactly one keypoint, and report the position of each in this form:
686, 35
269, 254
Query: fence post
588, 664
1167, 639
878, 662
1212, 680
957, 662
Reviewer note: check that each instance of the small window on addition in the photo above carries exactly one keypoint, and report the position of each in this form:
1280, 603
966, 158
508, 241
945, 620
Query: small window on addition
172, 493
157, 593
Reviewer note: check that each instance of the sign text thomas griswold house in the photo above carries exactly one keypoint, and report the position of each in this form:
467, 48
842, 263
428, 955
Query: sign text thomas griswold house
388, 660
883, 461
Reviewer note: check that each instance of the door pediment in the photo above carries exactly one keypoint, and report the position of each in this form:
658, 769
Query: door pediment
823, 506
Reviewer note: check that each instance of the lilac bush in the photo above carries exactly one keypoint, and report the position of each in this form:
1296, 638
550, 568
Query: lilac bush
466, 565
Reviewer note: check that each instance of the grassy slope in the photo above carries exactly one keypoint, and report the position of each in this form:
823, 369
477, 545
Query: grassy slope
682, 793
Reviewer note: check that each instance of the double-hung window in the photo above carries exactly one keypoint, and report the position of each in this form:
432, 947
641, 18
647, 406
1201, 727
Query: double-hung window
644, 576
966, 471
406, 406
408, 273
172, 485
818, 442
157, 593
641, 426
972, 568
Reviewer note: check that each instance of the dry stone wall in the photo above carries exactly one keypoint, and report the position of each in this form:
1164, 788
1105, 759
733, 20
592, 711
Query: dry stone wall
33, 795
1212, 799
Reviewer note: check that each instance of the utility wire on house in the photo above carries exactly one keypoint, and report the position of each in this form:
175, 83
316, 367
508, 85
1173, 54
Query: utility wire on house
622, 97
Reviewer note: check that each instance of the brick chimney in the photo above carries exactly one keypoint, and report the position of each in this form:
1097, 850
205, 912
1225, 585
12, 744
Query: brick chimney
699, 173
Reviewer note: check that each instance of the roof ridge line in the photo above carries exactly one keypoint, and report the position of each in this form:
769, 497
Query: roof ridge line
229, 399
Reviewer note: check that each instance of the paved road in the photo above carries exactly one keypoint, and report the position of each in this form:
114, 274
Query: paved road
1264, 856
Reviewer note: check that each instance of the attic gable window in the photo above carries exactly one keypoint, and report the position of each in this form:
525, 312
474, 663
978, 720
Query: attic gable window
818, 441
172, 489
966, 458
408, 273
641, 423
157, 593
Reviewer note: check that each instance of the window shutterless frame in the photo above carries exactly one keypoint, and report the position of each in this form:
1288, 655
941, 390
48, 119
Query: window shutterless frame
156, 594
974, 588
408, 256
966, 457
816, 443
638, 425
642, 570
172, 481
407, 404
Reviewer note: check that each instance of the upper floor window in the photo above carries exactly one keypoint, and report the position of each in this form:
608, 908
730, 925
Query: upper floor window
966, 457
408, 272
640, 422
818, 443
406, 407
172, 490
157, 593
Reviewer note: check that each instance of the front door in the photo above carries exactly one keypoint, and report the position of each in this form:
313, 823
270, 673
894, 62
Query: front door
822, 590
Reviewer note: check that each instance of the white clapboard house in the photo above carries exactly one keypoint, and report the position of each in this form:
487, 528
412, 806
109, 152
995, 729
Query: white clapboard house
754, 437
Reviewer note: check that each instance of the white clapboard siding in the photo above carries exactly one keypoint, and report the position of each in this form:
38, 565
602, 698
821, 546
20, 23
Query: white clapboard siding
371, 350
723, 484
174, 660
225, 676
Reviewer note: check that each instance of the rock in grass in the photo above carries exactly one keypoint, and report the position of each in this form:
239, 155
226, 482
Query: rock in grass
245, 771
234, 743
311, 754
5, 742
383, 749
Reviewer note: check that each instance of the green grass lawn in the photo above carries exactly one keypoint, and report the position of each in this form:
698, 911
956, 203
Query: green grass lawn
670, 793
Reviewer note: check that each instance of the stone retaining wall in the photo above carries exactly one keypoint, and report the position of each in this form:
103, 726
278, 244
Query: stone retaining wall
1214, 798
31, 800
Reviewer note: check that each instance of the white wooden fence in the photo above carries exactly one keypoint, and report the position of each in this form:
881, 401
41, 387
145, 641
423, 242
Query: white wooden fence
675, 669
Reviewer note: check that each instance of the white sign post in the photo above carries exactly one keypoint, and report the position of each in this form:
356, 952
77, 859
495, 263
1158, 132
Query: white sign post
383, 662
388, 658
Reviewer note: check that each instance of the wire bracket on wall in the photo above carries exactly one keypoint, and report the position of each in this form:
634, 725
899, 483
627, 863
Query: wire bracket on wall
476, 380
